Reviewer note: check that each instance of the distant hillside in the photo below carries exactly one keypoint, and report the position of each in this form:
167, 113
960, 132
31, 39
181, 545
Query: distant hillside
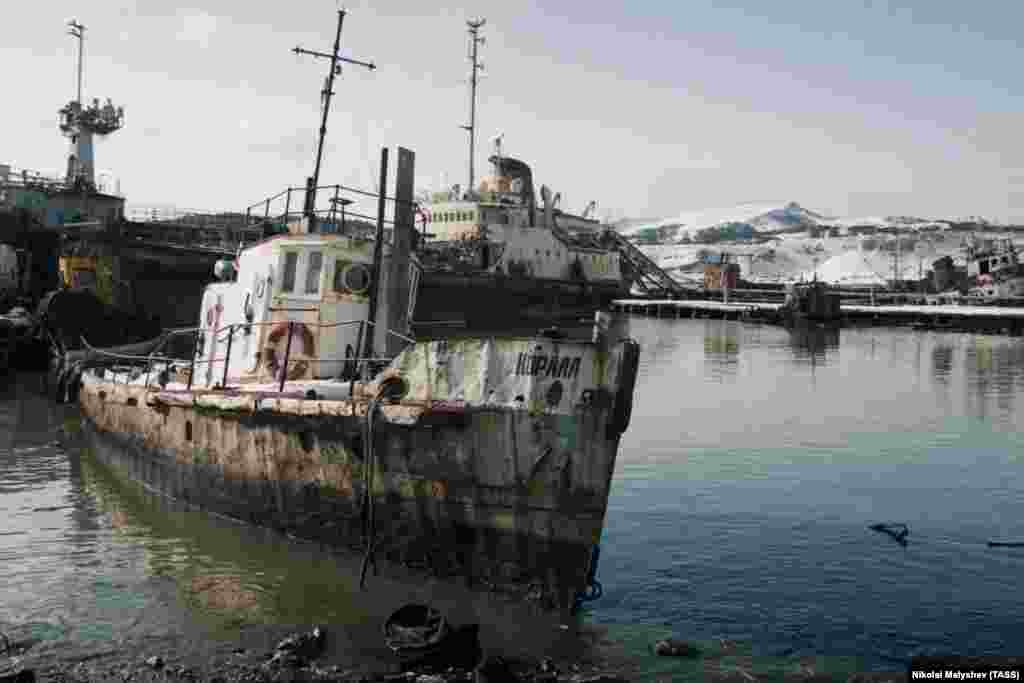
760, 220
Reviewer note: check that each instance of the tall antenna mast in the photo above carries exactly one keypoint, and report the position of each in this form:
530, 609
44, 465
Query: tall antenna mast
78, 31
475, 41
328, 91
81, 123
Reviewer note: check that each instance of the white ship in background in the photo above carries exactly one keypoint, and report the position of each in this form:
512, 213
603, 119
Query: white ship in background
493, 255
994, 269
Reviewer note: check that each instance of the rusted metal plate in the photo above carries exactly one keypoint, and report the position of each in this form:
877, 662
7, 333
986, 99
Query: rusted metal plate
540, 375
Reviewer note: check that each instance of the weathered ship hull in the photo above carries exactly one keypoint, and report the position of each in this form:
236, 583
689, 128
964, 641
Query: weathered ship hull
508, 497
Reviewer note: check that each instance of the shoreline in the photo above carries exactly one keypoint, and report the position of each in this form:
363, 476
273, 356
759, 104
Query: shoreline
250, 657
256, 654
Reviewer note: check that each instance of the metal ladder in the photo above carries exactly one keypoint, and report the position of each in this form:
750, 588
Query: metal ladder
649, 277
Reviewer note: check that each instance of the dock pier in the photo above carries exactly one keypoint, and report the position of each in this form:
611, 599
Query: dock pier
955, 318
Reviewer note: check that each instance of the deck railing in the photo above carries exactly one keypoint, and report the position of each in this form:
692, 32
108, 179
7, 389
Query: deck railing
352, 366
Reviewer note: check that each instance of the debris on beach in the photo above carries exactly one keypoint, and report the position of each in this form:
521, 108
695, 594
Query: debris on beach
671, 647
299, 650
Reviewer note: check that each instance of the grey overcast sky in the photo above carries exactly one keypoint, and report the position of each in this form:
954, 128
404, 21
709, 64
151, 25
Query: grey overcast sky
651, 107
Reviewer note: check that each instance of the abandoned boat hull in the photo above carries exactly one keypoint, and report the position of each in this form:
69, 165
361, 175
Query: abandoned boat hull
507, 496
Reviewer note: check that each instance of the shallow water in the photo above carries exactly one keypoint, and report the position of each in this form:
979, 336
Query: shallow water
757, 458
755, 461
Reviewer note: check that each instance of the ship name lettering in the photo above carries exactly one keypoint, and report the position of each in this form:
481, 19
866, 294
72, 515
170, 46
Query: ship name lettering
548, 366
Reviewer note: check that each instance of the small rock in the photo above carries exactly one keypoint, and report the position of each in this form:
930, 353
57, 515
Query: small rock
494, 670
306, 645
548, 667
670, 647
155, 662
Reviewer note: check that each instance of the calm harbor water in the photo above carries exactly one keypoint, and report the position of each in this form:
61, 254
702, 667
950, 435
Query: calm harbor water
755, 461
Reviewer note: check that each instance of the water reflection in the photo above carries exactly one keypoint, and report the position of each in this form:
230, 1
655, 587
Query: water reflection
228, 574
812, 342
995, 370
942, 362
27, 420
721, 348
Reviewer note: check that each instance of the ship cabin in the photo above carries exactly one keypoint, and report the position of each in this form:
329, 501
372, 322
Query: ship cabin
512, 236
990, 257
300, 300
994, 269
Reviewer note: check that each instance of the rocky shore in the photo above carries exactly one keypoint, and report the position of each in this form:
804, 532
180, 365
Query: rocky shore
302, 656
306, 656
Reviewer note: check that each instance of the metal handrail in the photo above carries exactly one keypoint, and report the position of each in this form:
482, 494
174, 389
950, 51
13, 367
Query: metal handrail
360, 362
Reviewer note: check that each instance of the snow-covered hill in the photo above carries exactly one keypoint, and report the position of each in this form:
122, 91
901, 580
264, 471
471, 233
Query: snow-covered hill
758, 217
851, 260
767, 218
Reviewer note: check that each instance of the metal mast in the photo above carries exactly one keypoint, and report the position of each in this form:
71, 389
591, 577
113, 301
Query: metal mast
78, 31
475, 41
328, 91
81, 123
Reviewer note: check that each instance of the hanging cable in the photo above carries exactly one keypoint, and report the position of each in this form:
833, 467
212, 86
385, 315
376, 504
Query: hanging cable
391, 388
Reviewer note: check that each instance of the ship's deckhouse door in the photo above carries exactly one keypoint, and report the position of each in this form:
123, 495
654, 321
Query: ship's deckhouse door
257, 312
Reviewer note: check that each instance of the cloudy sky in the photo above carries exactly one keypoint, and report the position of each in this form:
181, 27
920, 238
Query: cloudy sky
650, 107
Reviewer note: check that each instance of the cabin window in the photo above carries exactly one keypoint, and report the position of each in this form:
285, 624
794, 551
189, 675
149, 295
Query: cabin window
316, 263
291, 264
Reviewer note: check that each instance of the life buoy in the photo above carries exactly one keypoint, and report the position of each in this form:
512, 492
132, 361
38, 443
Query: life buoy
299, 355
622, 411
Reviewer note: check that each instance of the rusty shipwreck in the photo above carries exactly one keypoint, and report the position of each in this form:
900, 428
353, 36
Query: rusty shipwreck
301, 403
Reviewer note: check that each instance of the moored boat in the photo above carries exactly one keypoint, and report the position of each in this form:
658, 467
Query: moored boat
499, 252
495, 254
485, 457
994, 269
302, 402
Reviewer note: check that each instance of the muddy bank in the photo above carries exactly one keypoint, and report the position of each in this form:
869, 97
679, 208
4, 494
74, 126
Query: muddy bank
276, 654
271, 654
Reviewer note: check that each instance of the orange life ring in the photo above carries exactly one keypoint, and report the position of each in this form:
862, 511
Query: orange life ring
274, 350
